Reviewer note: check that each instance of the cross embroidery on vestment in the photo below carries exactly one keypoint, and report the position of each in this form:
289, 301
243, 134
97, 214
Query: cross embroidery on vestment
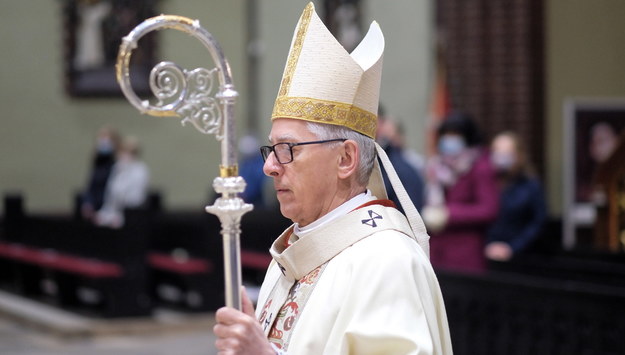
371, 221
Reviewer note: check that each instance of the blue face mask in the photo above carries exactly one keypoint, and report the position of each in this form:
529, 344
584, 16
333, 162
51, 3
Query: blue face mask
502, 161
104, 146
451, 145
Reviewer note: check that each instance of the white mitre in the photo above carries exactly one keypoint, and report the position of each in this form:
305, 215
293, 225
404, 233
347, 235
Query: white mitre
324, 83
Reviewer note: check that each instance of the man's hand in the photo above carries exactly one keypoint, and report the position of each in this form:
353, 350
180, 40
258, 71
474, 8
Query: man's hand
435, 218
239, 332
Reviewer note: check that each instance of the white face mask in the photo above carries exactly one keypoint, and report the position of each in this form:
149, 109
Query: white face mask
451, 145
502, 161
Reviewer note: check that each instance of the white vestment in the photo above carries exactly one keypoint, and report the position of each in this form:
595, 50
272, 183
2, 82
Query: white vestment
356, 285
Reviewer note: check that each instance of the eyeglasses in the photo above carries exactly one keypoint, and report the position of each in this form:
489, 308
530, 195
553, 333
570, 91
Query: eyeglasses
284, 151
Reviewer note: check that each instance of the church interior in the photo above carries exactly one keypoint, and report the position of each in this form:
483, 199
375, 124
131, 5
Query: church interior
550, 71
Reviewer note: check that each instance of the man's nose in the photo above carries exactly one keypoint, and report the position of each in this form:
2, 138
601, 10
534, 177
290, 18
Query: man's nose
271, 166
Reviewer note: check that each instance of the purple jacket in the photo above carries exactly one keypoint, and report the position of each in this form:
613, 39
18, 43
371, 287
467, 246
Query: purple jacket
472, 203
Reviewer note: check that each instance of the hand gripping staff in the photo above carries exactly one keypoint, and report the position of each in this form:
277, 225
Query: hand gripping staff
189, 95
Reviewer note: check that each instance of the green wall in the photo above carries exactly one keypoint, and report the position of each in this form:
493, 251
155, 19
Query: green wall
408, 62
585, 57
46, 138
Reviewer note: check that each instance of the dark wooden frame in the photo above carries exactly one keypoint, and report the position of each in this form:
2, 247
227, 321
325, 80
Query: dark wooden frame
580, 213
121, 17
331, 19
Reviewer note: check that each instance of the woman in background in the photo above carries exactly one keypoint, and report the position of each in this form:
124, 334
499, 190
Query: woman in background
92, 199
462, 196
522, 209
127, 186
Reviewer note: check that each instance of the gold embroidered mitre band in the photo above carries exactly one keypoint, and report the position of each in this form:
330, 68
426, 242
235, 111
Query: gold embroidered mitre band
324, 83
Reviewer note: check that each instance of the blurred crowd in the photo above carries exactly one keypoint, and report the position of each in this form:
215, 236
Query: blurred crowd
479, 200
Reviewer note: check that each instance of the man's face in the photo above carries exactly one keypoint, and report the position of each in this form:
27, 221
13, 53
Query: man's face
603, 142
306, 187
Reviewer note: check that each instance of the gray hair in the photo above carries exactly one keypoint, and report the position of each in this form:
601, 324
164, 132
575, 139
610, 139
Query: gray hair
366, 146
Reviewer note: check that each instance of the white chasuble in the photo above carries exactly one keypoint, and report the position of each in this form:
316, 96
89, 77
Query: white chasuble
357, 285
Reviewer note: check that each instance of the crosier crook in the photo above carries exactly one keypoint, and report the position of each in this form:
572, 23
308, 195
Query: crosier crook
187, 95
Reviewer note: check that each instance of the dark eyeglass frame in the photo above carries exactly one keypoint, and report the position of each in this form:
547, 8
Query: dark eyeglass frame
268, 149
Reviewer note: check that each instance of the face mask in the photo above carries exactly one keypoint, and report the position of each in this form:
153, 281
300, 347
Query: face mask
502, 161
105, 146
451, 145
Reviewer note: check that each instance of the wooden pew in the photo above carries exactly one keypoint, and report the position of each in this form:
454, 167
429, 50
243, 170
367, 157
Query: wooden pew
79, 265
184, 261
186, 258
176, 256
511, 313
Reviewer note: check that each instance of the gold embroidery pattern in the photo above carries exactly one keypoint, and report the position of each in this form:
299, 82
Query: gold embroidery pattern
296, 50
325, 111
284, 325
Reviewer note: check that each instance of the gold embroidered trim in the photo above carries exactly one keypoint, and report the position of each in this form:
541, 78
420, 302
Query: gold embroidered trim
286, 320
325, 111
296, 50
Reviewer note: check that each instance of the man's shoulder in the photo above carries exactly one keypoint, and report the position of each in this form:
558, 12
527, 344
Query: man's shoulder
381, 255
386, 246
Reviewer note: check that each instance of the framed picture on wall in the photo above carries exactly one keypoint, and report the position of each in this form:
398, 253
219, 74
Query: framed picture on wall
93, 30
592, 127
343, 19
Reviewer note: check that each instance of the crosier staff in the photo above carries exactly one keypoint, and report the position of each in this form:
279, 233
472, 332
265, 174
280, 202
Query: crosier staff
188, 95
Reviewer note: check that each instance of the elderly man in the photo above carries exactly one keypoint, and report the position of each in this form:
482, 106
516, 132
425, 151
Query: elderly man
351, 275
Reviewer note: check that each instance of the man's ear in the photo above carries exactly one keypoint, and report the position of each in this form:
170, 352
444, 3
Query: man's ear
348, 160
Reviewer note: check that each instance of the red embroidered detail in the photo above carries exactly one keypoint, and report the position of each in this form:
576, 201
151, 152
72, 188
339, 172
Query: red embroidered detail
288, 323
311, 277
263, 314
290, 311
275, 336
287, 238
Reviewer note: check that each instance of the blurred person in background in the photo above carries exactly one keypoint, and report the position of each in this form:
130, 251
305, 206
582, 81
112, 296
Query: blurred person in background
251, 170
92, 199
416, 160
602, 141
390, 139
462, 196
127, 186
522, 210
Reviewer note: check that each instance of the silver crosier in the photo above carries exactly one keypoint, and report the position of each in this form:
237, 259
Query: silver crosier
189, 95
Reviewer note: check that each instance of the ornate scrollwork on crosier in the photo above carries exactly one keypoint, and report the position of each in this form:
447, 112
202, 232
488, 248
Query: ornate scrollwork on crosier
167, 82
189, 94
201, 108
